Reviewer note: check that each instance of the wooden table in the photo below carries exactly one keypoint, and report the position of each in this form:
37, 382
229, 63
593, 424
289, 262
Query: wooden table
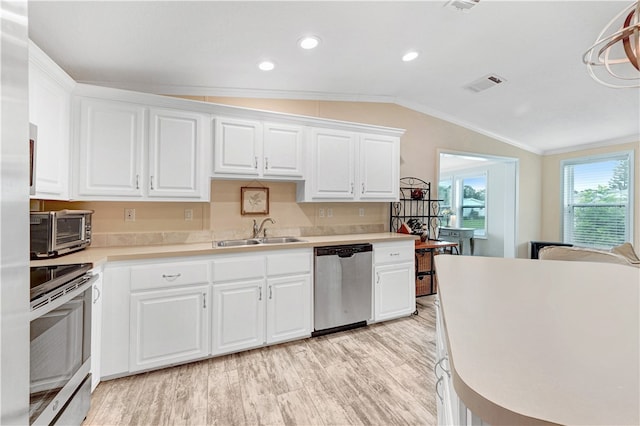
424, 263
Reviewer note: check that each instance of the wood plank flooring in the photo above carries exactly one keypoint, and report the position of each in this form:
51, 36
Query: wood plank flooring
377, 375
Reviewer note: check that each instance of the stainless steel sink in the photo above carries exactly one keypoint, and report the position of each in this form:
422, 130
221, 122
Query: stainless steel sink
280, 240
256, 241
236, 243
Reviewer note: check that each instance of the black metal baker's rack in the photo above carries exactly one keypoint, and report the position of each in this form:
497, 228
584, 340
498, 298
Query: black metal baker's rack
415, 208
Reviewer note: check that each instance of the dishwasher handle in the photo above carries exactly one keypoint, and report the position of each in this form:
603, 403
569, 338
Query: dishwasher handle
343, 251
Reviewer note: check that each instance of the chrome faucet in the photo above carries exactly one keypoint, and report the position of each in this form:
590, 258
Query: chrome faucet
257, 229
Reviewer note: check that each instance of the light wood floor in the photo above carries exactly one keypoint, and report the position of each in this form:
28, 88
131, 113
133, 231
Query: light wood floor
377, 375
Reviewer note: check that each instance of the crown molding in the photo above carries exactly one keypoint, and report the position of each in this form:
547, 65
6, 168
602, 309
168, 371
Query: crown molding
594, 145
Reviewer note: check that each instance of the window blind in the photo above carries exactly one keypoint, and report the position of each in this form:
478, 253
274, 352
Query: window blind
597, 200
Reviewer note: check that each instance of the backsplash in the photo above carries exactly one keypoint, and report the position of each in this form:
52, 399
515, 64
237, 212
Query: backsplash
118, 239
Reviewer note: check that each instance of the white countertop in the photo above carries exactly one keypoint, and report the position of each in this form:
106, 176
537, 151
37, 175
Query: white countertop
100, 255
543, 341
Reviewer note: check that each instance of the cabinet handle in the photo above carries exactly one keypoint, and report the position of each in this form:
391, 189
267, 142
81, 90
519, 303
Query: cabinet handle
260, 294
438, 393
151, 182
394, 254
171, 277
255, 162
362, 187
266, 163
137, 181
270, 293
378, 277
351, 187
97, 295
204, 300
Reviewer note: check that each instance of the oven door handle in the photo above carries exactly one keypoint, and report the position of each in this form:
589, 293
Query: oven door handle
61, 300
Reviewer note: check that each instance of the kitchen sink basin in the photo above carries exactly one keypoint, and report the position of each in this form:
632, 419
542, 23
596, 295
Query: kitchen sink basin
280, 240
256, 241
237, 243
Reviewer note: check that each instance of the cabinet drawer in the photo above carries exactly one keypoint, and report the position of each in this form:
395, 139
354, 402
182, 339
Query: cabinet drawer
393, 253
237, 268
445, 233
168, 275
289, 263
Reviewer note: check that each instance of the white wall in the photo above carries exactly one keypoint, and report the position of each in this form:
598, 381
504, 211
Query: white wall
14, 215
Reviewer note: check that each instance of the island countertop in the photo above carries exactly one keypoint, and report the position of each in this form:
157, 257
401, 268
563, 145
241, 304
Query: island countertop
543, 341
100, 255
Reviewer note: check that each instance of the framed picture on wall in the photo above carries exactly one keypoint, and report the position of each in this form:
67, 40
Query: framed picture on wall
254, 200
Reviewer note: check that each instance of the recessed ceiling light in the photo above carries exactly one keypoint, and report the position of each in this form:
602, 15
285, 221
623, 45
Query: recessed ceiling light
410, 56
309, 42
266, 65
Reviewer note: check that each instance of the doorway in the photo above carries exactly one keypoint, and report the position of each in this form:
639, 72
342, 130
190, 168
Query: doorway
481, 192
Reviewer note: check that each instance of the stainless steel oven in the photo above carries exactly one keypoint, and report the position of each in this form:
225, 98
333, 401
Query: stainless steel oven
60, 355
55, 233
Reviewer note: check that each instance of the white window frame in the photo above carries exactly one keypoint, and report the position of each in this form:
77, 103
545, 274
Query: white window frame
456, 197
567, 236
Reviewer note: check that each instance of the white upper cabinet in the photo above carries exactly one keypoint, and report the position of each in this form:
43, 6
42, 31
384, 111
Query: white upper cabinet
351, 166
283, 151
379, 168
49, 109
255, 149
110, 143
127, 150
238, 145
175, 142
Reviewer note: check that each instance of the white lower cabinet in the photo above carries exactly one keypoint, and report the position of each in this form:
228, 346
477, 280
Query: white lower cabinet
394, 280
169, 326
393, 297
288, 314
238, 319
260, 299
96, 331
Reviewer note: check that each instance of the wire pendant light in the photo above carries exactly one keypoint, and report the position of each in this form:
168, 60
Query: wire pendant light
614, 58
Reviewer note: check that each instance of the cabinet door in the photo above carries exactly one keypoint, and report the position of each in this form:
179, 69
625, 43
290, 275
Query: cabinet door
169, 326
379, 167
176, 139
395, 293
96, 333
238, 316
110, 142
282, 151
237, 147
114, 359
49, 110
288, 308
333, 167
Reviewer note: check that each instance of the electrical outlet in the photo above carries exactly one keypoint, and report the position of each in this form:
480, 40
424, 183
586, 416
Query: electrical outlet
329, 212
129, 215
321, 212
361, 211
188, 215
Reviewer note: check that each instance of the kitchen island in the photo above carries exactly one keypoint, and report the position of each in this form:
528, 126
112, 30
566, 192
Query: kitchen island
541, 342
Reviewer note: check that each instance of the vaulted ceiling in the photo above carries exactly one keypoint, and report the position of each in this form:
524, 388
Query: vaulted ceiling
546, 103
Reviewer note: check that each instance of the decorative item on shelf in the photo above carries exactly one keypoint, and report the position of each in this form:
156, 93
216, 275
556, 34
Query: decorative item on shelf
424, 236
621, 34
254, 200
416, 209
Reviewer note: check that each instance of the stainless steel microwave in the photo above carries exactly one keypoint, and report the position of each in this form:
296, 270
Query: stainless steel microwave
55, 233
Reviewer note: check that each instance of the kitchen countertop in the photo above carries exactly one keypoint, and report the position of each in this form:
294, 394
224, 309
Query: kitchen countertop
543, 341
100, 255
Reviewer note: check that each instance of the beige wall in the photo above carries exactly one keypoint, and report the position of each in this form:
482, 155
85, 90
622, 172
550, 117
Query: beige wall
424, 138
551, 178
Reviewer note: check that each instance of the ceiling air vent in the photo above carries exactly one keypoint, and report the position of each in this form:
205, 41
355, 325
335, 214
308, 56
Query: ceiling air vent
484, 83
463, 5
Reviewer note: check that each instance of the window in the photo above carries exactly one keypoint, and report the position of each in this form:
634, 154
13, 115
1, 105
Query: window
597, 200
463, 202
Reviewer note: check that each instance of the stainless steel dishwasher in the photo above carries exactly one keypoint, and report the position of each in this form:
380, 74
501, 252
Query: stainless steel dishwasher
342, 291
